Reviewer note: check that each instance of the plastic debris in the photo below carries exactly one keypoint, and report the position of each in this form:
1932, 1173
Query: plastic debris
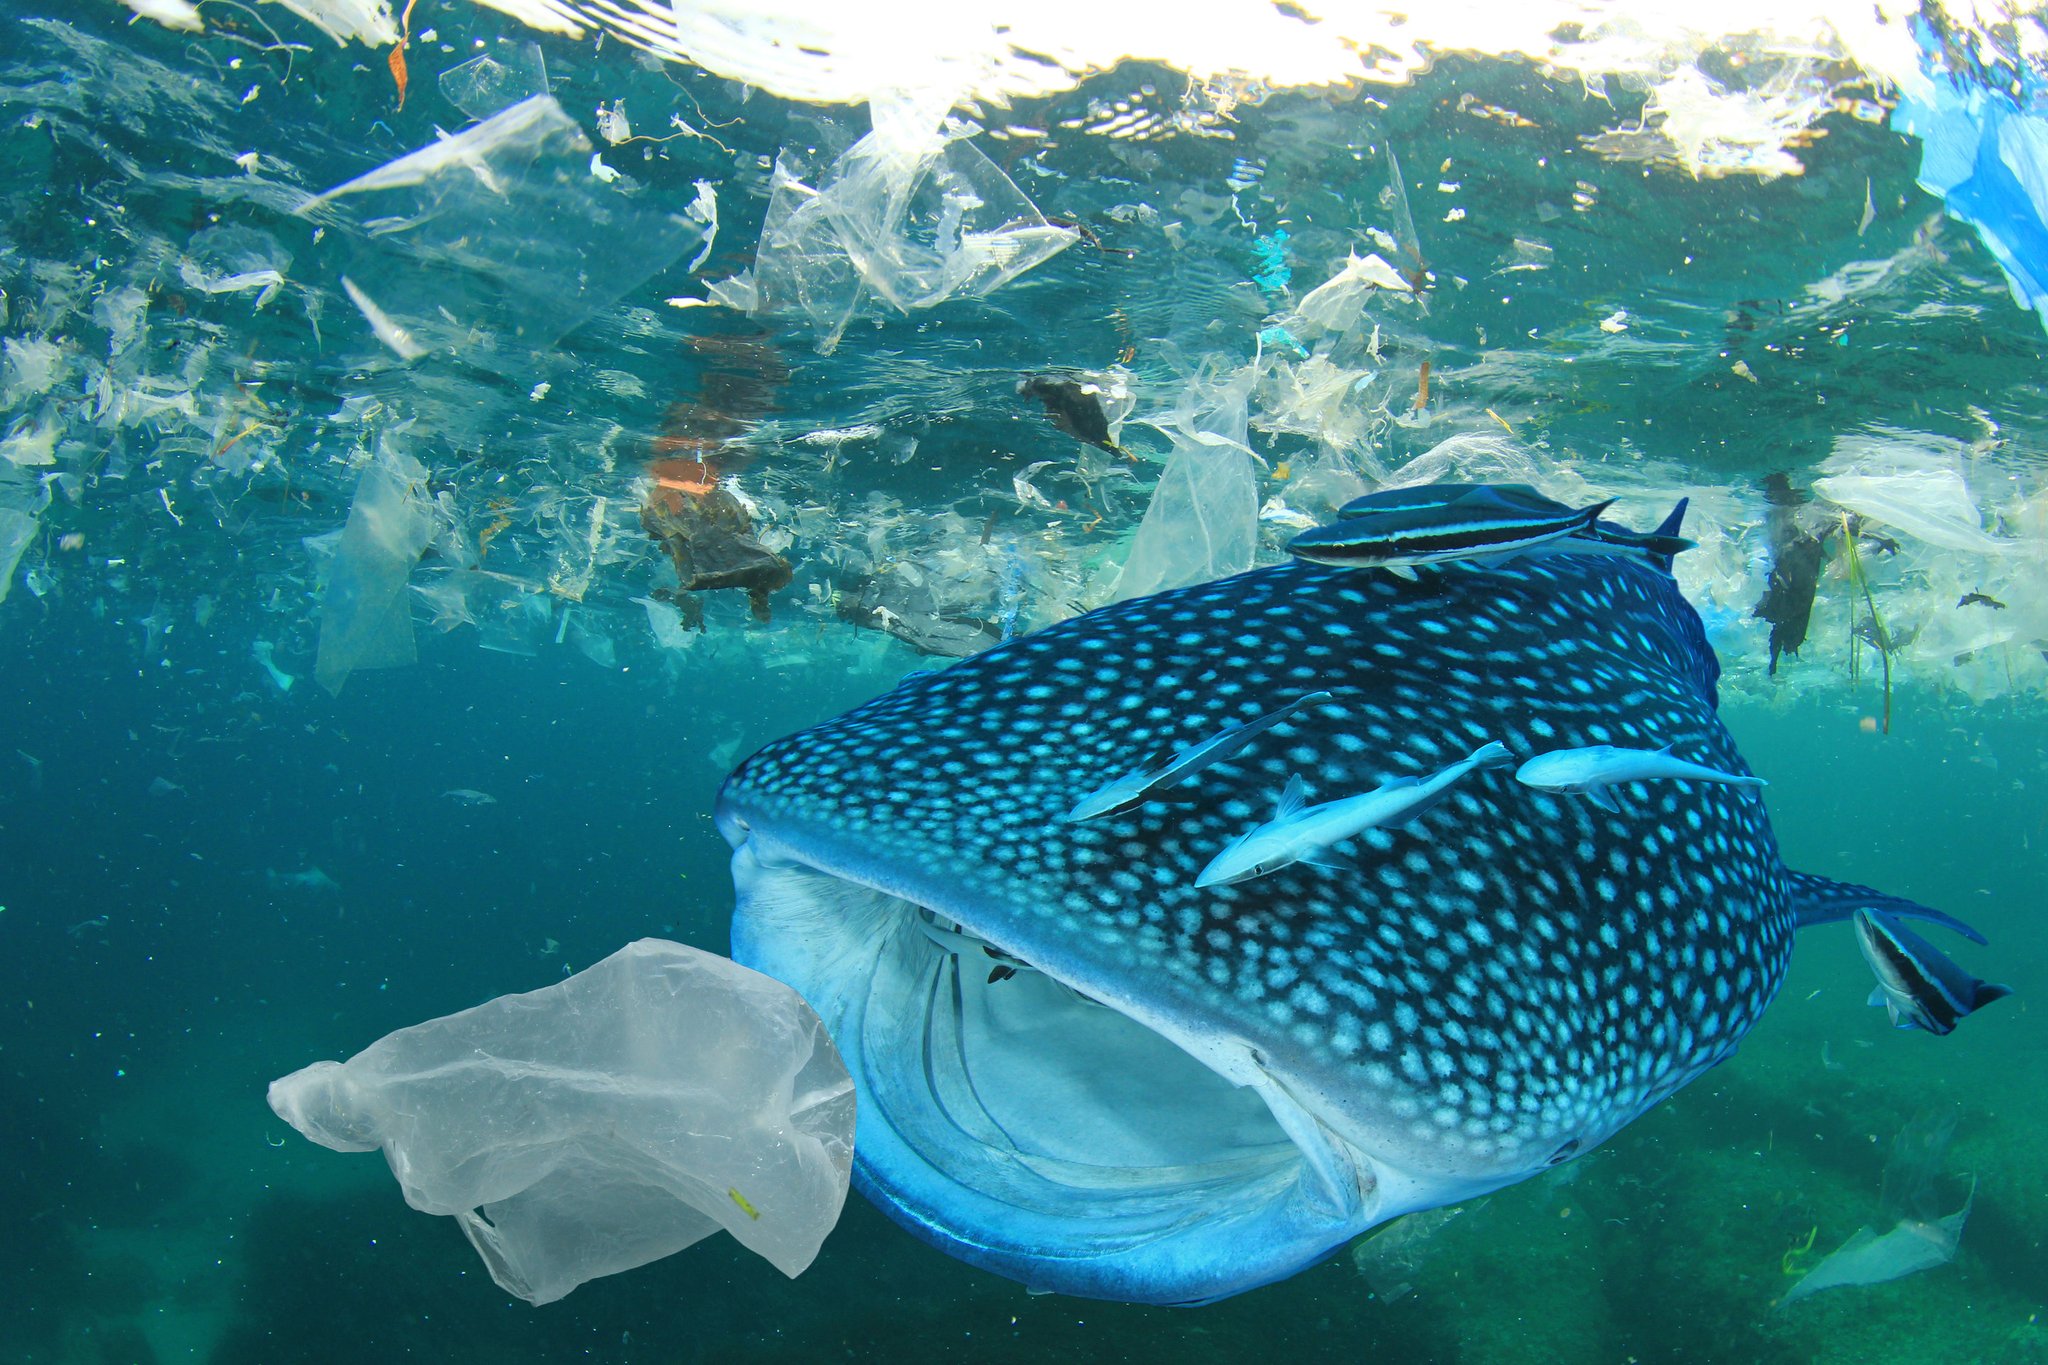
606, 1121
17, 529
709, 535
483, 86
1983, 157
1338, 304
1203, 520
910, 215
1918, 1241
497, 241
1912, 482
365, 615
367, 21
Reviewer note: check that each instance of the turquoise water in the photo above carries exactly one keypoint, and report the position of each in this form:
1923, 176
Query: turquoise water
1597, 325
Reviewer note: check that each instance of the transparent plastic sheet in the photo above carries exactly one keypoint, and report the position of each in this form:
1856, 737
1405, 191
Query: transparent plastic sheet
232, 260
497, 80
1203, 519
1919, 1240
604, 1122
17, 529
911, 215
1912, 482
1339, 303
497, 241
365, 614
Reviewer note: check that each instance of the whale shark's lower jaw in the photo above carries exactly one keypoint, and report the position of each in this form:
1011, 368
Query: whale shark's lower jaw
1033, 1131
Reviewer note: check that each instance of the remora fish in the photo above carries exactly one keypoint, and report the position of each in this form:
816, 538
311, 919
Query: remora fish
1917, 984
1299, 832
1201, 1091
1135, 788
1591, 770
1475, 525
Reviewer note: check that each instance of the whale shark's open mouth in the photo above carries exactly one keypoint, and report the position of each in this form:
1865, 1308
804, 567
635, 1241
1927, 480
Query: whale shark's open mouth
1033, 1129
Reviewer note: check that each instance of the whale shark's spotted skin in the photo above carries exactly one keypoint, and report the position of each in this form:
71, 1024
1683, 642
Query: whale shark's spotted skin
1502, 983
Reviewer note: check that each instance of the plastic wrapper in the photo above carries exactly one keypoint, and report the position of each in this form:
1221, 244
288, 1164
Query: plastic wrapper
497, 241
1339, 303
604, 1122
1920, 1240
911, 215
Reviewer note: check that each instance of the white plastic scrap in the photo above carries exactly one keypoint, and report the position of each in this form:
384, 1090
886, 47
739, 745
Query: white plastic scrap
704, 209
367, 21
176, 14
389, 332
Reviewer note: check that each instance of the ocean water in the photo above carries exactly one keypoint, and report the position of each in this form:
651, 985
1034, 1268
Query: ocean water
1710, 272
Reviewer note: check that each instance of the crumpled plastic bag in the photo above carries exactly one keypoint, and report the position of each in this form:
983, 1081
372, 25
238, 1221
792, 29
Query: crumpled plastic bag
912, 214
1203, 520
1912, 482
606, 1121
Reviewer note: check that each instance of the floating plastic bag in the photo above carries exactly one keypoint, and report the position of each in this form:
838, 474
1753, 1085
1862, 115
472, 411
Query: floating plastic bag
17, 529
607, 1121
1909, 481
1203, 520
1988, 162
365, 616
912, 214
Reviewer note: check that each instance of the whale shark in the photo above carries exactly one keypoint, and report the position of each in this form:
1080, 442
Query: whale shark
1081, 1070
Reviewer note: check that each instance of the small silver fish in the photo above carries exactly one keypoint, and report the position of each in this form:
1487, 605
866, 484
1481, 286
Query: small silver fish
1135, 788
1918, 985
1299, 833
470, 796
1589, 771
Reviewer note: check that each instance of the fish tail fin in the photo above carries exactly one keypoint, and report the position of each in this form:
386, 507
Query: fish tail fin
1491, 754
1986, 992
1822, 900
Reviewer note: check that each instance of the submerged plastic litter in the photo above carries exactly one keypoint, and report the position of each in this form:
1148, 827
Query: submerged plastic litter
606, 1121
365, 616
1920, 1240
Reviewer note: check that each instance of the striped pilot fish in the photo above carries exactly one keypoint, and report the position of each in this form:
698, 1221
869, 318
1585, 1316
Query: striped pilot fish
1918, 985
1168, 1093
